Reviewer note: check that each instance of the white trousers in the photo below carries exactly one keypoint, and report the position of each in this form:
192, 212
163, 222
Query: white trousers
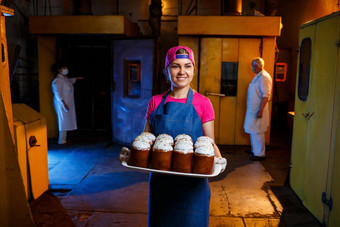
62, 137
258, 144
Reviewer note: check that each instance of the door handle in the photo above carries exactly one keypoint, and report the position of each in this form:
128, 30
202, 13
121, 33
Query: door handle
33, 142
214, 94
307, 115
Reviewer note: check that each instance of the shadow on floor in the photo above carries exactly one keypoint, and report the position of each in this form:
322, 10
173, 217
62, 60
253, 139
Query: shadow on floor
48, 210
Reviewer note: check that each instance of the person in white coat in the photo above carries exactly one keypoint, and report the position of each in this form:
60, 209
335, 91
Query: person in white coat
63, 100
257, 116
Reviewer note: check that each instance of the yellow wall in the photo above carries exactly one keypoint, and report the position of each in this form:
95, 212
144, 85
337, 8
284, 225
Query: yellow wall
46, 58
4, 80
14, 209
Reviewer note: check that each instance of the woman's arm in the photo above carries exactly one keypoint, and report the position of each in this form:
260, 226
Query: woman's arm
208, 130
147, 127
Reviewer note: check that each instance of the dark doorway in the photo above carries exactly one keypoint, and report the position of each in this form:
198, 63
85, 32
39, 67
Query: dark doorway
89, 57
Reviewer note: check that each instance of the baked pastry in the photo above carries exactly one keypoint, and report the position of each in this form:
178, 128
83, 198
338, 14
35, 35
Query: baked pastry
204, 159
165, 138
161, 154
140, 151
203, 140
148, 136
184, 140
182, 156
183, 136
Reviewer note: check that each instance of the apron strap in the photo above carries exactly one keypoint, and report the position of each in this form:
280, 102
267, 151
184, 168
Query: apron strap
161, 105
190, 96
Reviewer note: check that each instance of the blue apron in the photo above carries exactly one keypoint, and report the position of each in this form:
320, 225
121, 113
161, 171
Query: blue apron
177, 200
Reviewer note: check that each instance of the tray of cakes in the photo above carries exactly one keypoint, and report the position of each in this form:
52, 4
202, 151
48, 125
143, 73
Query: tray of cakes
179, 156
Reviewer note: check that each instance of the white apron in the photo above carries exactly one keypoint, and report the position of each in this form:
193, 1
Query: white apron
251, 123
63, 90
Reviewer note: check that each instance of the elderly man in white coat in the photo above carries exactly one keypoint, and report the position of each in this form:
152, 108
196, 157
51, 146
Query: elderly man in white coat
257, 116
63, 100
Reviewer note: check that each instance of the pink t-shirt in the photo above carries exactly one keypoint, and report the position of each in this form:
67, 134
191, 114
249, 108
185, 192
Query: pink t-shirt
201, 104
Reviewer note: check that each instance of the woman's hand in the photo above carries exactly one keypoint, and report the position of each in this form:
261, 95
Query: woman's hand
124, 155
221, 161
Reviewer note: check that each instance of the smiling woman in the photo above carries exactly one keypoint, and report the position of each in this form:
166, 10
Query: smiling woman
175, 200
181, 72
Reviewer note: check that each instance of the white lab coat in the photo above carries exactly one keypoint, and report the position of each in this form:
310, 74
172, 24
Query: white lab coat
260, 86
62, 88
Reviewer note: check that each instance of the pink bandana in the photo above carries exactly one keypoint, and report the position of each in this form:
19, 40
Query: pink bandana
171, 55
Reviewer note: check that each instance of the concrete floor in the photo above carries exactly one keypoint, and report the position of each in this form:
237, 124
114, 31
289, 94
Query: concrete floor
89, 187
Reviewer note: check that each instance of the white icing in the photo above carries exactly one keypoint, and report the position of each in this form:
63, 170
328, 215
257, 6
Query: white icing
202, 143
184, 148
183, 140
165, 138
205, 138
161, 145
141, 144
144, 139
149, 135
182, 136
207, 150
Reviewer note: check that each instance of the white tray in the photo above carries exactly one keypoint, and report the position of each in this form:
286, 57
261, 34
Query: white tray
216, 171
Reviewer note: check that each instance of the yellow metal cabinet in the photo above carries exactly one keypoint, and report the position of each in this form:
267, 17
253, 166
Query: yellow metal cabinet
14, 209
228, 43
19, 132
315, 147
210, 71
229, 110
31, 143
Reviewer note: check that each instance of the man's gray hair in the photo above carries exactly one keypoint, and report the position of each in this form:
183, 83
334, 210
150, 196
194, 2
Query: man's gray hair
259, 62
